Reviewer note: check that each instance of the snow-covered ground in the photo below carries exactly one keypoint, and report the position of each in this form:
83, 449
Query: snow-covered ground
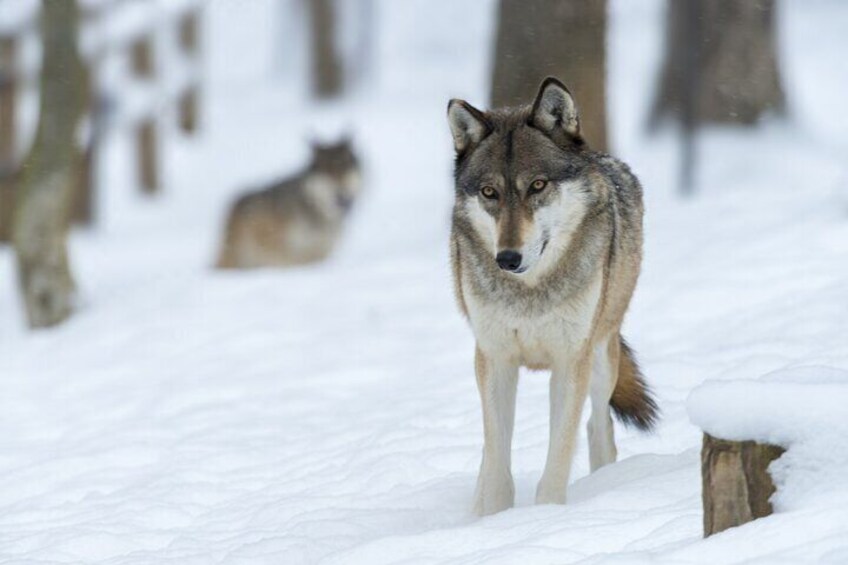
329, 414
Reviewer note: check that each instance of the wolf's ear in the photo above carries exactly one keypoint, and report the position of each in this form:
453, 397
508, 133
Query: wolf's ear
468, 124
554, 109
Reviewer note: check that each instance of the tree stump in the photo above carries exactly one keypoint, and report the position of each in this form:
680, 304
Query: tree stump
736, 483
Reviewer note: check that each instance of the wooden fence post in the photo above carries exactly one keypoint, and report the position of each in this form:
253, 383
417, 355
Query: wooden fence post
189, 30
146, 131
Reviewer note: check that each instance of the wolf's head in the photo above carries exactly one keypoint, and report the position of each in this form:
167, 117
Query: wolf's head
521, 176
335, 170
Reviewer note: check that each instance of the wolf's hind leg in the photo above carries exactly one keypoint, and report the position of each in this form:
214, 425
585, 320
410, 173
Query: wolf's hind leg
568, 392
497, 381
601, 432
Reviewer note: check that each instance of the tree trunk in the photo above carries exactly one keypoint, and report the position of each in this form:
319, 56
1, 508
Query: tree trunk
8, 125
146, 130
42, 209
736, 71
561, 38
736, 483
83, 195
8, 184
327, 75
82, 207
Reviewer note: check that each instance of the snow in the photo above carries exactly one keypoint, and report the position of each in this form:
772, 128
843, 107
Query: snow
800, 408
329, 414
16, 13
785, 407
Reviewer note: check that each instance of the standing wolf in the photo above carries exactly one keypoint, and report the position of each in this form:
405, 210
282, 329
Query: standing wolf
546, 247
297, 220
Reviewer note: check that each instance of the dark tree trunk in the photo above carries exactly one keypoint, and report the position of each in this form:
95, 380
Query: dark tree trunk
561, 38
147, 130
43, 204
326, 62
8, 185
736, 483
189, 36
82, 202
82, 207
734, 49
8, 125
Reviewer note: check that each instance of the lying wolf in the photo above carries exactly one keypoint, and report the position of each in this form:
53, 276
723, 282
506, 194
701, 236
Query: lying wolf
546, 248
297, 220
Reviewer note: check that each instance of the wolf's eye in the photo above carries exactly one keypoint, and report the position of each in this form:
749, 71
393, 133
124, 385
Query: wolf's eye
489, 192
538, 186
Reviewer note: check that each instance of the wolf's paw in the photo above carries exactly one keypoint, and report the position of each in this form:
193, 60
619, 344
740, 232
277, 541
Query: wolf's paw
494, 494
551, 491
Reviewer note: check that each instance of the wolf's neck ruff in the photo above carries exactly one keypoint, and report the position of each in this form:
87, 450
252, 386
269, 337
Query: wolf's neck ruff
564, 272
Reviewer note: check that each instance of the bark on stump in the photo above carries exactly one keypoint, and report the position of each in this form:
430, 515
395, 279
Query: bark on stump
736, 483
561, 38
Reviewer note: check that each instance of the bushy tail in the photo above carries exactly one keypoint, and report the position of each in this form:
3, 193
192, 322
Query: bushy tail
632, 400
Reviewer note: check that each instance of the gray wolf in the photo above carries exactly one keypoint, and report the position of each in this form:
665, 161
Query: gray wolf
546, 247
297, 220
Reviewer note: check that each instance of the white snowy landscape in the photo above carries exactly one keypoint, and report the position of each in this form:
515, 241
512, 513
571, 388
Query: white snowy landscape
329, 414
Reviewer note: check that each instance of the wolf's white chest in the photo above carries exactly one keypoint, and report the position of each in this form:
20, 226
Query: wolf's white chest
533, 340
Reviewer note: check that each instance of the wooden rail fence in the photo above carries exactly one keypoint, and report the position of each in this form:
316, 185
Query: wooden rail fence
134, 32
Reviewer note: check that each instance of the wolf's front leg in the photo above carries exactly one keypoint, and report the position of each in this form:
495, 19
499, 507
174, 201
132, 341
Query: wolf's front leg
497, 380
568, 390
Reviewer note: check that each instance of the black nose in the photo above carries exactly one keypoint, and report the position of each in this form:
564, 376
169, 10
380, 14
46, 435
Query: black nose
509, 260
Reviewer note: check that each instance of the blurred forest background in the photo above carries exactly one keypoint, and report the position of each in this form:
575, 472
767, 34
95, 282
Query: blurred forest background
157, 409
71, 71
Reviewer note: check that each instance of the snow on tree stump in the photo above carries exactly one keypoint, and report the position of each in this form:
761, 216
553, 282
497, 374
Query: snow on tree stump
736, 482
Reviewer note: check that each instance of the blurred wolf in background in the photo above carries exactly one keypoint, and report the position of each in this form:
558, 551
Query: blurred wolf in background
546, 247
297, 220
